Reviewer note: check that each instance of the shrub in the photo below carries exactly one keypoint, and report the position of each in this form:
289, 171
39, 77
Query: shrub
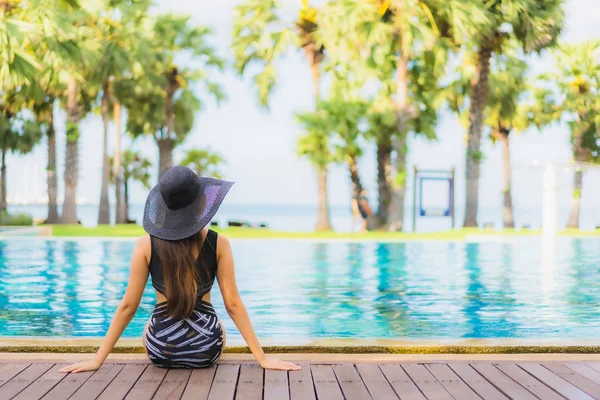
20, 219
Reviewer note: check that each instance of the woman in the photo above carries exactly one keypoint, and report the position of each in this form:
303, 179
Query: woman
182, 259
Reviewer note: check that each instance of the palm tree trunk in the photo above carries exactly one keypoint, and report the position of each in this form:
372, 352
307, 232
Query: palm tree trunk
509, 220
573, 221
126, 199
395, 220
69, 214
479, 97
52, 179
119, 209
580, 154
354, 175
165, 155
384, 180
396, 215
166, 144
323, 221
104, 208
3, 203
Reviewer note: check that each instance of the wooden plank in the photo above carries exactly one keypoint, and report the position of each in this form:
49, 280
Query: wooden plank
586, 371
147, 384
250, 383
301, 384
43, 384
97, 382
276, 385
554, 381
476, 382
401, 382
574, 378
378, 386
173, 385
502, 382
223, 387
426, 382
449, 380
123, 382
69, 385
528, 382
326, 385
199, 384
23, 379
350, 382
595, 366
8, 371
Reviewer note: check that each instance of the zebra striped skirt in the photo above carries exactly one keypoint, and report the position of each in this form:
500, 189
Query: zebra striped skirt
194, 342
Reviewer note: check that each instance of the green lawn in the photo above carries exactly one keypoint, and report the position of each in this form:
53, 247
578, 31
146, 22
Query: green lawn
136, 230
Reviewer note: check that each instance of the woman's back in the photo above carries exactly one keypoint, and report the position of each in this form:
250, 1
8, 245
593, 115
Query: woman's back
206, 265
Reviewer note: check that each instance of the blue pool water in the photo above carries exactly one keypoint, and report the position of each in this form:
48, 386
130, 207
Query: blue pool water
297, 291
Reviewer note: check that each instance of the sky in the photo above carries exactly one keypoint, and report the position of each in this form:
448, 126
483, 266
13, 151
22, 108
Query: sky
259, 145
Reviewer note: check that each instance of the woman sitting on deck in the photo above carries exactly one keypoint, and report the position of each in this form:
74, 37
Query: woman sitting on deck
183, 259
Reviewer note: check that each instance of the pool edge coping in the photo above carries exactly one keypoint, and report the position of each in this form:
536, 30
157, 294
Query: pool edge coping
320, 349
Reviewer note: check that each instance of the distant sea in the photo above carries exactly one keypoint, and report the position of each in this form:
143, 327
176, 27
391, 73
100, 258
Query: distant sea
303, 217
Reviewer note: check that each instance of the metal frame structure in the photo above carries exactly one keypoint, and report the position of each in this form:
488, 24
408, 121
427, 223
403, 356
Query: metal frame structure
432, 174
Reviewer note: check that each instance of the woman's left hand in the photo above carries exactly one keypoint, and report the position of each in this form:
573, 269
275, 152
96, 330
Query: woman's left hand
268, 363
91, 365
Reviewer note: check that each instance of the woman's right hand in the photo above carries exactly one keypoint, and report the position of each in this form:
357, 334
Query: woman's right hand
90, 365
270, 363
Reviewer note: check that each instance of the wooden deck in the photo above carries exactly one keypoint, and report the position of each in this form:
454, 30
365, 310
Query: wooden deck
408, 380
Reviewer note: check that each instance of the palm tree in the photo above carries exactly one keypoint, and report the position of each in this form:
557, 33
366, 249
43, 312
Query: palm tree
381, 118
397, 43
536, 26
338, 119
120, 38
19, 64
571, 94
260, 37
78, 99
315, 145
507, 112
159, 98
172, 36
203, 162
133, 167
46, 39
18, 134
508, 108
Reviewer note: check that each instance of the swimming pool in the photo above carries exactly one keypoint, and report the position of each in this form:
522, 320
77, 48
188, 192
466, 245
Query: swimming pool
299, 291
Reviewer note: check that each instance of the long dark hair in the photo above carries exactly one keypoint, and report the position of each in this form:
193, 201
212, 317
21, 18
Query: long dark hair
182, 276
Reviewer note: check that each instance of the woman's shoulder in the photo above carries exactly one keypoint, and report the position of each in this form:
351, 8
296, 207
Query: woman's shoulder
143, 246
223, 244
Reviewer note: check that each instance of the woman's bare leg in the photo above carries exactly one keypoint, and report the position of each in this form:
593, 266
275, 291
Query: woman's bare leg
144, 337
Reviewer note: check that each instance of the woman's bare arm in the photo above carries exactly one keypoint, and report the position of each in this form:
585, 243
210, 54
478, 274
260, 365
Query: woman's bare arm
236, 309
138, 277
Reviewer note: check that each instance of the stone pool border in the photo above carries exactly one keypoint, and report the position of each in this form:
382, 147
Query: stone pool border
414, 349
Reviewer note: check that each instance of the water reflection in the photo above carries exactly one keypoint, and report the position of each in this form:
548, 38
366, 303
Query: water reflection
474, 294
319, 293
391, 302
584, 288
303, 291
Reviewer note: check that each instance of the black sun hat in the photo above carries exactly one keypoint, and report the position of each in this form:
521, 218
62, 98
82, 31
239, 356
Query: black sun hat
182, 204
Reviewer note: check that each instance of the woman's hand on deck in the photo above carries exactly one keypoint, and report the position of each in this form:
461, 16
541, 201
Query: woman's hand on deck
269, 363
90, 365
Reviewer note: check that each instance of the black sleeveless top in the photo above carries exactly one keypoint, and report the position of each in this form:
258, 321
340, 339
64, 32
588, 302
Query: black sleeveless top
206, 264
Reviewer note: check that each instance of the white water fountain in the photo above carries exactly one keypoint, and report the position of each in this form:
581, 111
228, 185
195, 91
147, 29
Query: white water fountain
550, 205
550, 188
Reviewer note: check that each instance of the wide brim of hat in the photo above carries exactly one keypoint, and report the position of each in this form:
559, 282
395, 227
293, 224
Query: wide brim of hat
167, 224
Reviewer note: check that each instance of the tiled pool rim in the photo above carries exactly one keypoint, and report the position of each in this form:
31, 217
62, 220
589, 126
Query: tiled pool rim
474, 346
